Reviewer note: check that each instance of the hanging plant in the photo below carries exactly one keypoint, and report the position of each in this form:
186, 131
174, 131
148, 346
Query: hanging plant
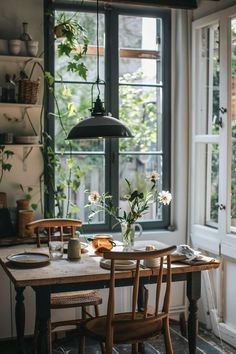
73, 43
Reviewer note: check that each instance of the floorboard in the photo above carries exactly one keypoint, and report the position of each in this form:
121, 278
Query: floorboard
207, 344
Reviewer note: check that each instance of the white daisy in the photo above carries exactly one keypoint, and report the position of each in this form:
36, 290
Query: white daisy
154, 176
94, 197
165, 197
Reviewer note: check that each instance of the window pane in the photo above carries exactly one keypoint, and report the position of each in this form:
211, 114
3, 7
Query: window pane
93, 167
141, 111
212, 183
207, 121
88, 21
135, 168
140, 48
74, 101
142, 71
207, 184
233, 123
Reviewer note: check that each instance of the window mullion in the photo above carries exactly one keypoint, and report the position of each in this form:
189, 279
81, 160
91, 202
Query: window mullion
224, 156
112, 101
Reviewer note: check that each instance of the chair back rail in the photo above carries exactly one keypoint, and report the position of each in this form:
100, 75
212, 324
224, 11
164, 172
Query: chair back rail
49, 225
146, 319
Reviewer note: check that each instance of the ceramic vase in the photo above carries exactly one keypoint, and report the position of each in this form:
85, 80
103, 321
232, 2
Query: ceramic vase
74, 249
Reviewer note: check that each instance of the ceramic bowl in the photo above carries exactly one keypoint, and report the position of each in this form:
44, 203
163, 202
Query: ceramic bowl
102, 243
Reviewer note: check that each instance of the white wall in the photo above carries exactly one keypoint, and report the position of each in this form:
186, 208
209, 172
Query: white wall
12, 14
208, 7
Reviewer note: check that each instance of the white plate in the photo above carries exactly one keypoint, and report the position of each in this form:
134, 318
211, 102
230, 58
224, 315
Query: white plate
29, 259
119, 265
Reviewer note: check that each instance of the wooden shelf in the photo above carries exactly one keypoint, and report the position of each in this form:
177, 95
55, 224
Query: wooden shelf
19, 105
20, 59
23, 145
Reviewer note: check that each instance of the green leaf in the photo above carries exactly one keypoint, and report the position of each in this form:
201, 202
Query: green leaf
34, 206
6, 166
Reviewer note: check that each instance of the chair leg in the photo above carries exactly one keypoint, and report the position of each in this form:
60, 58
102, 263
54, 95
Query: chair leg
81, 344
109, 344
83, 310
96, 310
168, 343
135, 348
97, 313
49, 337
36, 334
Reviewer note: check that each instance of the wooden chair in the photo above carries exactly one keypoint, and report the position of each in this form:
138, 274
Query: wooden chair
51, 229
135, 326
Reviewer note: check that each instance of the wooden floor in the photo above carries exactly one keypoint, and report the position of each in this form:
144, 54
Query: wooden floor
207, 344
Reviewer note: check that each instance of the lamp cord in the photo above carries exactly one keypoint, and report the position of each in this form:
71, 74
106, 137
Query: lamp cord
98, 79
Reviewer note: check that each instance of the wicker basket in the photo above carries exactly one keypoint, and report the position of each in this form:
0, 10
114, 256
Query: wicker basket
24, 217
28, 91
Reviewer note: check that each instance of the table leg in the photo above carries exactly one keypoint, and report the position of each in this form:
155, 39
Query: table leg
194, 294
20, 320
43, 318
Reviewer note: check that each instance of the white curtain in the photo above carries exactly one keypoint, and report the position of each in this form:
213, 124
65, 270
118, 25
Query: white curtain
181, 53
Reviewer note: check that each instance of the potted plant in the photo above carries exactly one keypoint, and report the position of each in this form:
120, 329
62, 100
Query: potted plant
24, 202
138, 203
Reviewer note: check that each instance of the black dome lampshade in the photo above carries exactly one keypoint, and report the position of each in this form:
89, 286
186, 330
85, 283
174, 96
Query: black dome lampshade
99, 125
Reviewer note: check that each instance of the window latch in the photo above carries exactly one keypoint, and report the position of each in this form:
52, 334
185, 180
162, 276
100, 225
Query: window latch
221, 206
223, 110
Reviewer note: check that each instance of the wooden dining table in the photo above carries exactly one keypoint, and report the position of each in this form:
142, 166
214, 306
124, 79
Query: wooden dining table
63, 275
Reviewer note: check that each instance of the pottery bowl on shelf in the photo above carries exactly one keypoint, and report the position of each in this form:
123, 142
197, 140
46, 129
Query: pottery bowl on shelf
14, 46
32, 48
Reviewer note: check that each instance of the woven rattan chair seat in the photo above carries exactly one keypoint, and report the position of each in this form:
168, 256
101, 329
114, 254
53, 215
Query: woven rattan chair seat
77, 299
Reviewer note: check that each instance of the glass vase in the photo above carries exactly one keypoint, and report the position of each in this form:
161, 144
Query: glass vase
128, 234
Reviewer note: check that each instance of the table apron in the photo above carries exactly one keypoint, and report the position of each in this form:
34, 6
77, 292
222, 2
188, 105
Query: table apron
103, 284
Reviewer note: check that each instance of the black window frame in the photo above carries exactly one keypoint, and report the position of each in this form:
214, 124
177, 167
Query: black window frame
112, 96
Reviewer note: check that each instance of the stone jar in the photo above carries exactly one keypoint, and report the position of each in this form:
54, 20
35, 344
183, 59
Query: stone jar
74, 249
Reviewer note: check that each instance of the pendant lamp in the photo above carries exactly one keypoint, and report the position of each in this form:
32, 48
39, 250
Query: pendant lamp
99, 125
